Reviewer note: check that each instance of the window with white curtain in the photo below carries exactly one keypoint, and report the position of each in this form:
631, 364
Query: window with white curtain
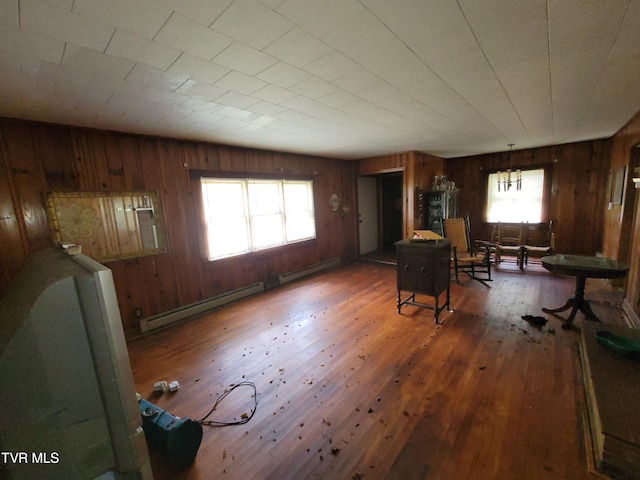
513, 205
247, 215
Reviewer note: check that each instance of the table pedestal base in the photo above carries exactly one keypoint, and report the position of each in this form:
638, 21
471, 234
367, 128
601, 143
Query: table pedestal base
576, 303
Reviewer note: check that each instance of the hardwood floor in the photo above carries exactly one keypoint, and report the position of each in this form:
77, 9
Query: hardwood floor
349, 389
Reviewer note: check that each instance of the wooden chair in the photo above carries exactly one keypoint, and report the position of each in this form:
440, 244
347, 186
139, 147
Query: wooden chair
540, 241
511, 242
466, 259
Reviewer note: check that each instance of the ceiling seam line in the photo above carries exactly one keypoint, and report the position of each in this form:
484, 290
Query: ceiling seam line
615, 40
484, 55
404, 93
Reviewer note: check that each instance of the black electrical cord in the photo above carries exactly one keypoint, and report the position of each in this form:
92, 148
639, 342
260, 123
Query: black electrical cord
244, 417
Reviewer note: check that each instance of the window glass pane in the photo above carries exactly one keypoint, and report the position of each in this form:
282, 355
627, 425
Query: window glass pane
298, 201
513, 205
297, 197
227, 239
264, 197
223, 199
300, 225
267, 231
226, 219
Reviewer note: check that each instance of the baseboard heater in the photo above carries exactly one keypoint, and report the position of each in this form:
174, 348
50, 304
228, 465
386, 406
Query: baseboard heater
157, 321
290, 277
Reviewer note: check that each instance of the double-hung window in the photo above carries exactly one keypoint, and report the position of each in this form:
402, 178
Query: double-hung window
247, 215
513, 204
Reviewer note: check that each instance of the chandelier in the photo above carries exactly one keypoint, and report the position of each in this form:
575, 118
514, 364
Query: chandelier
506, 180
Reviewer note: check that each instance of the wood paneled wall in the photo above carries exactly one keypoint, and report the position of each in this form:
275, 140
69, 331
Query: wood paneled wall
577, 196
37, 158
622, 223
418, 171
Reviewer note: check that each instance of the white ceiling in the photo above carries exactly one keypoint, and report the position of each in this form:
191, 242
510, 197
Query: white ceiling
337, 78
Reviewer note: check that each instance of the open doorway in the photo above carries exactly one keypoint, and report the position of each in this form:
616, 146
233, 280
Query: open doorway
380, 215
632, 293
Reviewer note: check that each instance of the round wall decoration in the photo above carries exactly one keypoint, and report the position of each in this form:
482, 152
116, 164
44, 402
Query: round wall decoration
334, 202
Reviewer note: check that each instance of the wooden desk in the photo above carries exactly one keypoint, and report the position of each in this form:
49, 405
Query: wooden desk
582, 267
423, 267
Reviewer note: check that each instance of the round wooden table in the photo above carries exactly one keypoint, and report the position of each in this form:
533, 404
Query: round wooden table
582, 267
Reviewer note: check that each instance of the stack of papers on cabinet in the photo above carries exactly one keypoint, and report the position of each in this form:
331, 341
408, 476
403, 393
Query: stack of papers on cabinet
426, 235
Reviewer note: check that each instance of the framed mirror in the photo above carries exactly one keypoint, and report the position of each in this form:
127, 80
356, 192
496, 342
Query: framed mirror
107, 226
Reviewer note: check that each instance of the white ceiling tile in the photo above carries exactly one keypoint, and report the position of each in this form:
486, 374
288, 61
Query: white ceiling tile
291, 116
283, 75
273, 3
150, 80
358, 81
298, 48
233, 112
302, 104
123, 102
9, 14
94, 97
391, 56
202, 11
199, 105
313, 87
379, 93
259, 119
241, 83
53, 22
197, 69
33, 45
332, 66
627, 44
142, 17
244, 58
9, 62
200, 90
72, 84
38, 76
359, 35
62, 4
237, 100
106, 66
325, 112
127, 45
337, 98
320, 17
10, 41
189, 36
252, 22
274, 94
266, 108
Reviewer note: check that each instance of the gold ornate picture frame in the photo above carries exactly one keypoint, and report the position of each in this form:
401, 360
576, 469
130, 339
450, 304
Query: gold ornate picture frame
107, 225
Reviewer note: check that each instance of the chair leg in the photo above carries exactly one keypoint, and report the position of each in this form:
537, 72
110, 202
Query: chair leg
522, 253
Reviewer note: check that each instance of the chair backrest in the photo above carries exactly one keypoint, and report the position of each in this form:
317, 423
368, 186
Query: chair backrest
456, 230
511, 234
495, 234
540, 234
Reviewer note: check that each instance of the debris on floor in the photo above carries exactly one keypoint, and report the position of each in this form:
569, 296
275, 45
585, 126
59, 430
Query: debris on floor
535, 321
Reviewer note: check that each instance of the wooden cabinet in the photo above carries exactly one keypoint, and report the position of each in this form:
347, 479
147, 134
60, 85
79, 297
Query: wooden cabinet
423, 267
433, 207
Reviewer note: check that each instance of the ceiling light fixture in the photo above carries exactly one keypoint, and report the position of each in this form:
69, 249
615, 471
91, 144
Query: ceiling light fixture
505, 182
